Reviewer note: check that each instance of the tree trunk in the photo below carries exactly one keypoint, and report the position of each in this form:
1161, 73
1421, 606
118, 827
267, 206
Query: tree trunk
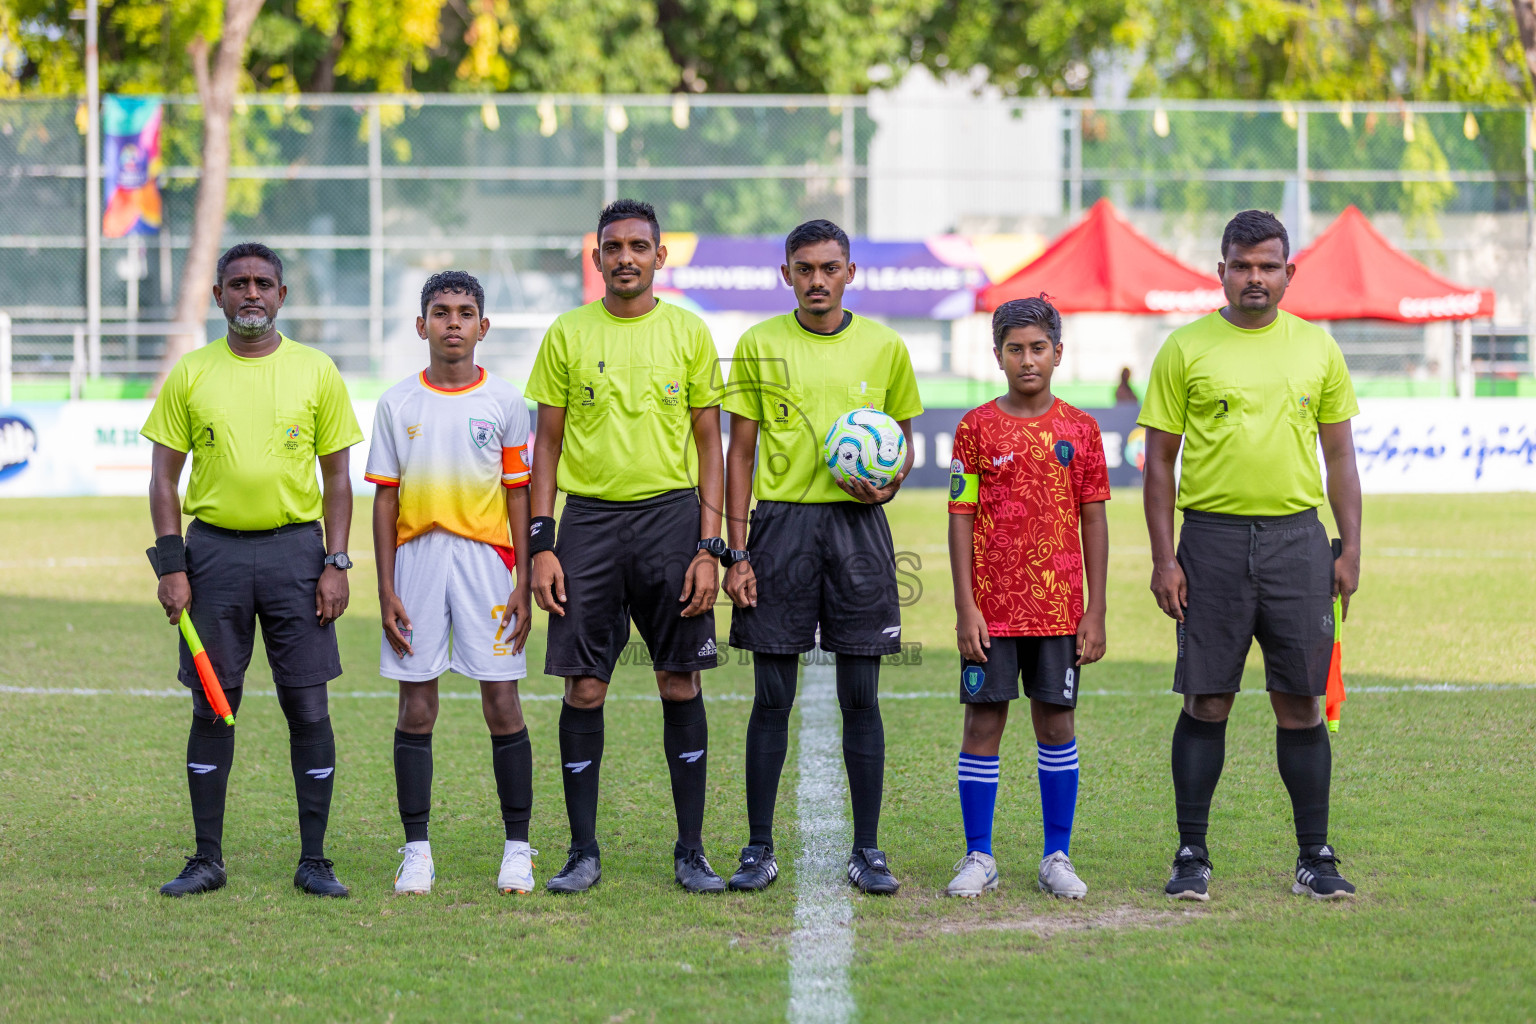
1525, 18
216, 89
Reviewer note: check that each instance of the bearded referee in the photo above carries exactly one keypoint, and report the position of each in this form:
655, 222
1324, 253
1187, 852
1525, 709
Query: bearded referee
255, 410
629, 428
1250, 390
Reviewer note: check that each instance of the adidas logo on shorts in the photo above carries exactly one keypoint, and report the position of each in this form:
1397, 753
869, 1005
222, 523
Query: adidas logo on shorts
708, 650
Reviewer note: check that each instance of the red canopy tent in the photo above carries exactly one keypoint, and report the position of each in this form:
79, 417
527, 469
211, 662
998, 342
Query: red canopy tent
1103, 265
1352, 273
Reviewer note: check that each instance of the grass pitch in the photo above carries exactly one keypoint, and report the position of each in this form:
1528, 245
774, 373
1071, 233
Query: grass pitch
1431, 812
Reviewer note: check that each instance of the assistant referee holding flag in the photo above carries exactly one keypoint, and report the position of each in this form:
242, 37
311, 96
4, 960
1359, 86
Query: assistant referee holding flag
1250, 390
255, 409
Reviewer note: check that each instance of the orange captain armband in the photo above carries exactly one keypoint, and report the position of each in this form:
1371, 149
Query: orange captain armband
514, 467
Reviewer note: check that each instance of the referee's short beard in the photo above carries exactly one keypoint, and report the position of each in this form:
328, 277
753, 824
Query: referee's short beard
250, 326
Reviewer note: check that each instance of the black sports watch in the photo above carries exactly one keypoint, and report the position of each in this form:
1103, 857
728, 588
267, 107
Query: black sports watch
714, 545
732, 556
339, 560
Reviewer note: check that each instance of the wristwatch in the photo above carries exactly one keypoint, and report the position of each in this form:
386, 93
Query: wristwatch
339, 560
714, 545
732, 556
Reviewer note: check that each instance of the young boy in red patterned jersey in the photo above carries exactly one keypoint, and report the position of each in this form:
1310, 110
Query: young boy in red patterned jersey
1028, 474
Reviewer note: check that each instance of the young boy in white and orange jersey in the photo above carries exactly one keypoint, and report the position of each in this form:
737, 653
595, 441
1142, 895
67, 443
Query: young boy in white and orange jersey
450, 524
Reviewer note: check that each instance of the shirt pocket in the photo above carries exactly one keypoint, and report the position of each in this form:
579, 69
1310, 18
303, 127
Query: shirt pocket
1301, 398
1217, 405
211, 438
783, 412
862, 395
293, 436
668, 391
589, 392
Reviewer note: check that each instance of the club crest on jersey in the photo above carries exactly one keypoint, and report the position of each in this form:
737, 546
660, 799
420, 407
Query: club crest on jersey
481, 431
1064, 452
972, 678
291, 437
671, 392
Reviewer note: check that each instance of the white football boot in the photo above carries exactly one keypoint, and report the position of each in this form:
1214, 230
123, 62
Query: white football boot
416, 872
516, 868
975, 873
1058, 878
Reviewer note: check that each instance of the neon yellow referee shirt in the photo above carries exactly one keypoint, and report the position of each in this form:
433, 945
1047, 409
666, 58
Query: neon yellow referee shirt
796, 382
1248, 404
627, 386
254, 428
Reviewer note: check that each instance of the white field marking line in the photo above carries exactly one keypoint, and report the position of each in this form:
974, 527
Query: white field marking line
84, 691
821, 946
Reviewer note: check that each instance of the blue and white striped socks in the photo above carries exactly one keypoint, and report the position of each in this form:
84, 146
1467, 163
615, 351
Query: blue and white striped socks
1058, 794
978, 797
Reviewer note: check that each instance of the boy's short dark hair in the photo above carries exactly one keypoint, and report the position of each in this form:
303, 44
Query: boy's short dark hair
241, 251
811, 232
456, 282
1252, 227
629, 209
1035, 312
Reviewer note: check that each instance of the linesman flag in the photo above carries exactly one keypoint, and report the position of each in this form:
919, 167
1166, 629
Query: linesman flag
1333, 702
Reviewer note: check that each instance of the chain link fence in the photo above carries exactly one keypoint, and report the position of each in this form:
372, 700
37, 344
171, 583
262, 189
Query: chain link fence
366, 195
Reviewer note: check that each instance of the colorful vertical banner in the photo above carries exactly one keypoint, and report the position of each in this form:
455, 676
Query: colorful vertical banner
130, 165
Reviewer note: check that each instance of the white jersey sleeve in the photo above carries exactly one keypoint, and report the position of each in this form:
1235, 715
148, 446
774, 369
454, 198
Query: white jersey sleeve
383, 460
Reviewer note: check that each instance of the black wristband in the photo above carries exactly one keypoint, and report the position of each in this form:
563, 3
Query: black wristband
170, 554
541, 535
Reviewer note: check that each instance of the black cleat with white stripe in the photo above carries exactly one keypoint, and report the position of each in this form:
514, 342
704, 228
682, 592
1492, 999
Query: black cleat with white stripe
869, 871
1191, 874
1317, 875
758, 869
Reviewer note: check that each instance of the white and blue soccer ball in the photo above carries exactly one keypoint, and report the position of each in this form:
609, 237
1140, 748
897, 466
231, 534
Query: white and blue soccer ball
865, 444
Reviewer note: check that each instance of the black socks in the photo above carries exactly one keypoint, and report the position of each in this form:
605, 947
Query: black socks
768, 739
413, 782
858, 679
685, 738
512, 760
1306, 767
210, 752
581, 757
312, 752
1199, 751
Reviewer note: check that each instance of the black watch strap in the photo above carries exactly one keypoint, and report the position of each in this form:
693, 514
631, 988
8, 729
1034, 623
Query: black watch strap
732, 556
714, 545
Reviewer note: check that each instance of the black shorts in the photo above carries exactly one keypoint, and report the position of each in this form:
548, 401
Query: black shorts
828, 564
1047, 664
240, 576
1265, 578
623, 561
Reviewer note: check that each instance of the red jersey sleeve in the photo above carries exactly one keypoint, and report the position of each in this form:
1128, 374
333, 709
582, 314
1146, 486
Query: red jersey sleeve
965, 469
1091, 471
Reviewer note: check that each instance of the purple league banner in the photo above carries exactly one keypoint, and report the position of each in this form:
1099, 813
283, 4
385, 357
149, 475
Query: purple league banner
932, 279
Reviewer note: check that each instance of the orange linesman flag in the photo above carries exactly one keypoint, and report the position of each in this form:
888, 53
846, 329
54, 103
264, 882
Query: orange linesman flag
1335, 696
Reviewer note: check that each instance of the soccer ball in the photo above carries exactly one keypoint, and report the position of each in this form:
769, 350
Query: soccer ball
865, 444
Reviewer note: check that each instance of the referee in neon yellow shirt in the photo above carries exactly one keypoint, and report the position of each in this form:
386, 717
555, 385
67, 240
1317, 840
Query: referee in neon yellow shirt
255, 410
629, 428
1250, 390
